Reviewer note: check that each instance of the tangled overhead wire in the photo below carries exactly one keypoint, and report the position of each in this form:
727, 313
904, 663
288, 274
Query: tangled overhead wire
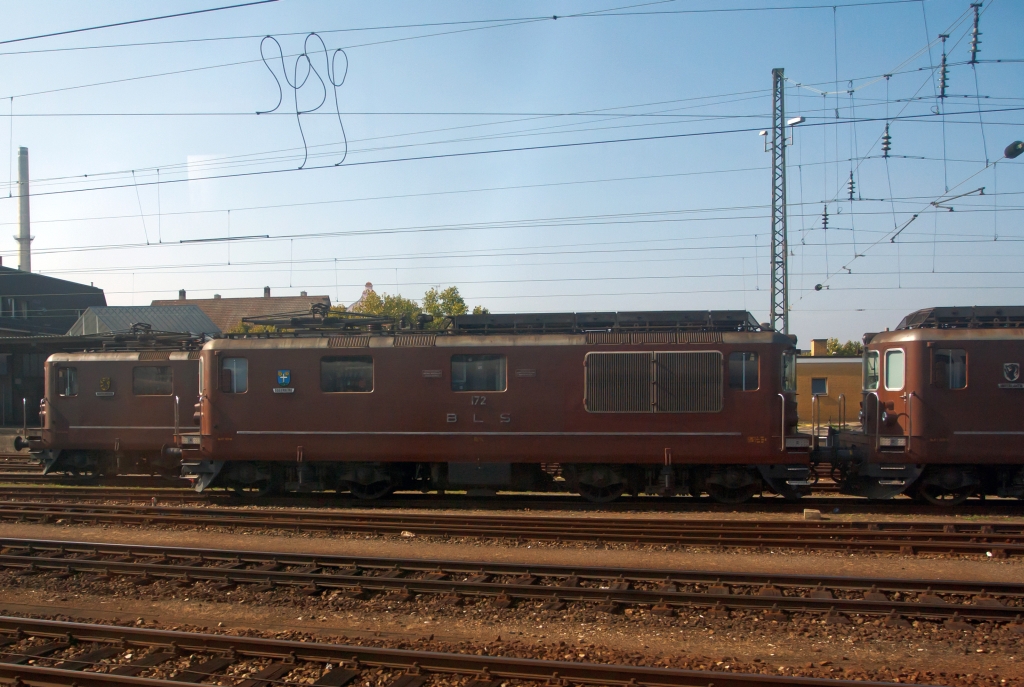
304, 65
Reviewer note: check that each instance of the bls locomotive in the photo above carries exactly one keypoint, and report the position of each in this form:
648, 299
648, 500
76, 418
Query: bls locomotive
109, 412
942, 411
667, 403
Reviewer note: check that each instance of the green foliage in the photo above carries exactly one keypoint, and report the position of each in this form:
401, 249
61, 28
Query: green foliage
246, 328
850, 348
440, 303
444, 303
389, 305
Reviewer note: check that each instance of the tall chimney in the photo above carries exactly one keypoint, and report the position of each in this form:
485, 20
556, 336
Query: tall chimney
181, 294
266, 292
24, 237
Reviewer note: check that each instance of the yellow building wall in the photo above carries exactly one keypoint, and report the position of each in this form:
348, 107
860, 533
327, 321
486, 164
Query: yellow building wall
844, 377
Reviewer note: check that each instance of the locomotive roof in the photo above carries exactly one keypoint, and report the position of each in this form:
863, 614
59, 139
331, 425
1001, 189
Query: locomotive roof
972, 317
320, 320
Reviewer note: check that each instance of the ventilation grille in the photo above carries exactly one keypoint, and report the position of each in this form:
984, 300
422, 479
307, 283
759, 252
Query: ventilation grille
432, 374
348, 342
682, 382
654, 338
619, 383
194, 355
155, 355
699, 337
688, 382
415, 339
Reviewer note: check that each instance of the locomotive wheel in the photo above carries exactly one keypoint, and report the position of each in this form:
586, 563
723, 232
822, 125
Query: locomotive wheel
369, 492
937, 496
731, 496
601, 494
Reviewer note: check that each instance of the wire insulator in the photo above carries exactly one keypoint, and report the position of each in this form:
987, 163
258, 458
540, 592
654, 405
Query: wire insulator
886, 142
975, 41
824, 219
850, 187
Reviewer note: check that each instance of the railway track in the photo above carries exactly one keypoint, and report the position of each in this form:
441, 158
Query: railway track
666, 592
996, 539
136, 489
46, 652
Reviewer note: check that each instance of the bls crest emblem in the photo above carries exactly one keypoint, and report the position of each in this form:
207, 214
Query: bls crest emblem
104, 383
284, 377
1011, 371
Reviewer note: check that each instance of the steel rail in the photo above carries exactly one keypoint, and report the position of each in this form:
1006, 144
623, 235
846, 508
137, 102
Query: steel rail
359, 658
996, 539
666, 590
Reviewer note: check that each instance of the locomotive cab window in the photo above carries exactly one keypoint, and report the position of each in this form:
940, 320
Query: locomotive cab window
871, 371
949, 368
895, 369
152, 381
743, 371
789, 371
346, 374
234, 375
67, 381
478, 373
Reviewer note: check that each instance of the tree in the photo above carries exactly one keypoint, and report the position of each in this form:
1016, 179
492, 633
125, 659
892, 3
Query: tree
444, 303
480, 310
393, 306
850, 348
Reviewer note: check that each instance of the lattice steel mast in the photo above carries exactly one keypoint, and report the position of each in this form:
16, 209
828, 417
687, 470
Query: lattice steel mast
780, 246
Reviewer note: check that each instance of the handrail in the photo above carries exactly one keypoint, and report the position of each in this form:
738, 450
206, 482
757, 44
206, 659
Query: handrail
176, 414
842, 410
909, 399
815, 419
878, 418
24, 415
782, 436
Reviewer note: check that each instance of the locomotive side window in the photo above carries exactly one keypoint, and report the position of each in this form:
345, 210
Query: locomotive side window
234, 375
152, 381
949, 368
871, 371
348, 374
789, 371
67, 381
743, 371
895, 370
478, 373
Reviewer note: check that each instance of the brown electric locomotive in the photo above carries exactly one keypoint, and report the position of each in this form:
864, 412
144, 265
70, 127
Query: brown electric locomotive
599, 403
114, 412
942, 409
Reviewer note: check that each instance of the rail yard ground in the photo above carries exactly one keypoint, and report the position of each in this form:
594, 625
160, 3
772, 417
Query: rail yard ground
736, 636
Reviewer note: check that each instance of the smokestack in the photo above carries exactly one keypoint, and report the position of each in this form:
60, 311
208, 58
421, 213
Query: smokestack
266, 292
181, 294
24, 237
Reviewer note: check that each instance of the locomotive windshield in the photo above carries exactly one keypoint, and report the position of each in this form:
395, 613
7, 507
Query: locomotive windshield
895, 369
789, 370
871, 371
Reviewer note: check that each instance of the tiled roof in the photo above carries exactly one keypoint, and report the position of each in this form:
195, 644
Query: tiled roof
227, 313
183, 319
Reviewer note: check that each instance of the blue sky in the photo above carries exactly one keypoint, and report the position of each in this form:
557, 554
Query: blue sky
677, 221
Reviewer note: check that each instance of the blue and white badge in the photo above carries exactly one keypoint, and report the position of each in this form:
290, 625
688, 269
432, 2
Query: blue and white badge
284, 377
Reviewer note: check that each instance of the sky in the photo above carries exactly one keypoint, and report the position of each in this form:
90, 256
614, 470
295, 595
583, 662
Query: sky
607, 159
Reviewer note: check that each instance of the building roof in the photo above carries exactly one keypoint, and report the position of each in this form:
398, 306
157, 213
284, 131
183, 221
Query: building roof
227, 313
33, 303
182, 319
